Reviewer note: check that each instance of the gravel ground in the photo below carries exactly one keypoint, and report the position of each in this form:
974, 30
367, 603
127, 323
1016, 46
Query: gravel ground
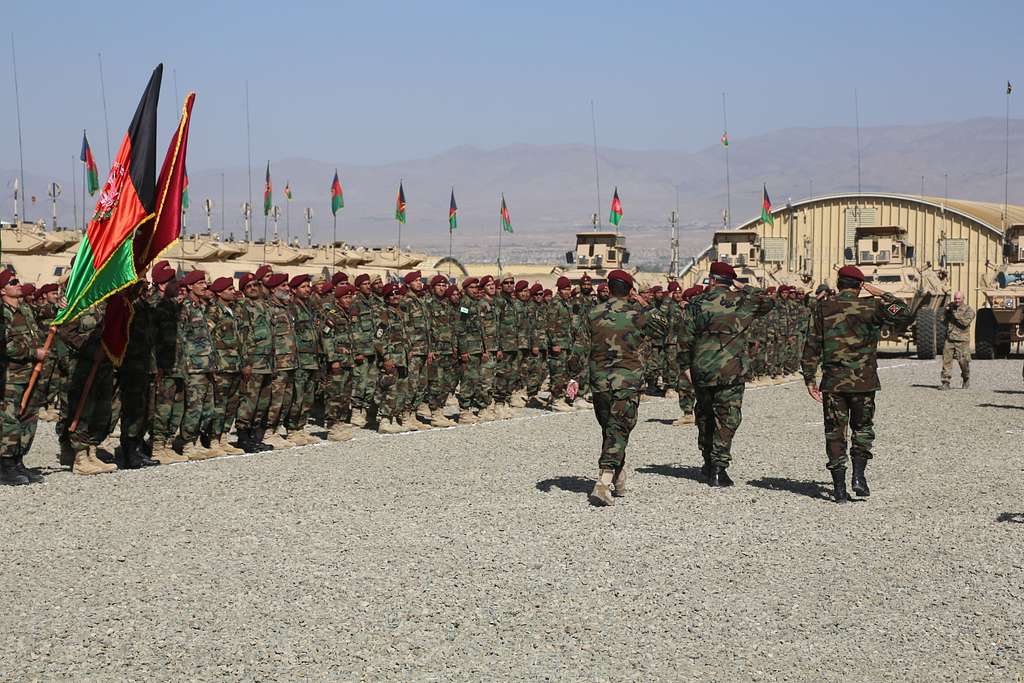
471, 553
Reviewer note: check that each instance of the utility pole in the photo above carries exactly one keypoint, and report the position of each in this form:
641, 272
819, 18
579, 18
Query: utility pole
309, 227
208, 205
54, 191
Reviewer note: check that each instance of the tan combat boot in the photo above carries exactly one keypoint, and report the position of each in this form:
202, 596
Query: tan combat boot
84, 465
561, 406
423, 412
339, 432
518, 400
390, 426
410, 421
672, 393
194, 452
165, 455
467, 417
438, 419
215, 450
684, 419
602, 495
358, 418
222, 444
277, 442
488, 414
295, 437
619, 482
106, 467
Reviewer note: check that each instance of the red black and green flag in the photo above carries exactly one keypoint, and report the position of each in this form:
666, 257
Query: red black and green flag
615, 217
288, 190
766, 208
400, 204
105, 263
153, 237
184, 193
337, 195
506, 219
92, 174
268, 193
453, 213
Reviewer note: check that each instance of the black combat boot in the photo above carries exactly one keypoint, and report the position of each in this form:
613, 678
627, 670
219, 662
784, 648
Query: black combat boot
860, 482
33, 476
10, 474
839, 482
135, 455
719, 477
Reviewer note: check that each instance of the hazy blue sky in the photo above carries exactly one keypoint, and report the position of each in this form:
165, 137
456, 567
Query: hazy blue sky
369, 82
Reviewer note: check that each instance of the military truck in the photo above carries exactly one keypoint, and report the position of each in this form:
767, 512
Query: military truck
742, 249
999, 323
887, 261
597, 253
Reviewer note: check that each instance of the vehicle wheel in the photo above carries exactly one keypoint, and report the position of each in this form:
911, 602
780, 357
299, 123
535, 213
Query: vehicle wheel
985, 335
925, 334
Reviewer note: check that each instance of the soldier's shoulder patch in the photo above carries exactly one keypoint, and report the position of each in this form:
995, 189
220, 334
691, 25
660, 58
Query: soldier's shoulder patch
895, 308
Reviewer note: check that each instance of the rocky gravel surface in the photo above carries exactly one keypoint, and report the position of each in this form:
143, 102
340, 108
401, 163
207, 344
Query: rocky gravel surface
471, 554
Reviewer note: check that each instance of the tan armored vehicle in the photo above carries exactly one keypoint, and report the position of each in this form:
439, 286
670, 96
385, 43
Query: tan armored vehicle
597, 253
887, 262
999, 323
742, 249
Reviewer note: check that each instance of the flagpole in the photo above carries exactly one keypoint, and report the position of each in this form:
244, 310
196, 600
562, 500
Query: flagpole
85, 172
728, 184
74, 193
398, 247
500, 230
106, 120
1006, 168
334, 244
288, 218
21, 154
248, 147
597, 172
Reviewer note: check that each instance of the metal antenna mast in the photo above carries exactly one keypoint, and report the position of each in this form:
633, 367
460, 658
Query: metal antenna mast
728, 188
21, 154
597, 174
106, 121
856, 114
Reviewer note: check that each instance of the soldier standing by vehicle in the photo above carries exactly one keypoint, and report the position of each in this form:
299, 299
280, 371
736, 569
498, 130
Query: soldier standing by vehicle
713, 349
610, 337
959, 316
843, 339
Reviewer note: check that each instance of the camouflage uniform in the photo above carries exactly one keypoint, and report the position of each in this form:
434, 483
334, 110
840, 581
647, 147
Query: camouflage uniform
683, 385
958, 341
654, 368
83, 337
537, 330
226, 332
336, 341
443, 373
586, 300
169, 402
135, 376
560, 333
417, 328
307, 371
365, 315
507, 370
197, 350
21, 339
713, 347
257, 355
843, 338
609, 340
285, 362
391, 344
53, 378
473, 335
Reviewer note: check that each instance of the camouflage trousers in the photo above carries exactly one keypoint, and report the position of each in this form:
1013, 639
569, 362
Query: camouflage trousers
414, 389
227, 394
856, 410
791, 354
535, 369
616, 412
671, 366
654, 368
389, 392
254, 403
280, 397
136, 388
506, 375
53, 380
773, 355
364, 383
684, 387
558, 370
16, 433
338, 396
472, 387
97, 419
169, 408
442, 378
303, 392
718, 414
961, 353
198, 406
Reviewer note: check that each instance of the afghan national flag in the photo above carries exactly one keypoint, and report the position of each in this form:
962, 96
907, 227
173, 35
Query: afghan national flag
400, 204
268, 193
337, 195
766, 208
725, 138
155, 236
506, 219
453, 213
288, 190
615, 217
1009, 88
92, 175
184, 193
104, 263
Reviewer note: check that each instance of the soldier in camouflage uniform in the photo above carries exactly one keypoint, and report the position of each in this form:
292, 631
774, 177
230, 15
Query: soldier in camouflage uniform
713, 348
560, 337
684, 387
257, 359
135, 378
536, 359
673, 313
391, 344
54, 375
524, 342
336, 341
444, 362
417, 327
23, 343
507, 349
488, 290
307, 362
958, 316
282, 329
226, 333
196, 349
472, 335
609, 342
365, 313
654, 368
843, 339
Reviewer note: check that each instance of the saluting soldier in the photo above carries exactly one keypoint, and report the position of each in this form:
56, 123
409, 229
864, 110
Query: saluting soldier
197, 351
843, 339
257, 359
226, 333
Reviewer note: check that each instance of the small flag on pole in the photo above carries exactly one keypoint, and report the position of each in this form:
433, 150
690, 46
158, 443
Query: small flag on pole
615, 217
337, 195
1009, 87
725, 139
268, 193
453, 213
506, 219
288, 190
766, 208
184, 193
400, 204
92, 175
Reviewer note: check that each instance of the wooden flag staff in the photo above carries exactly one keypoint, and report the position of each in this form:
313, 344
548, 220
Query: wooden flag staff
36, 371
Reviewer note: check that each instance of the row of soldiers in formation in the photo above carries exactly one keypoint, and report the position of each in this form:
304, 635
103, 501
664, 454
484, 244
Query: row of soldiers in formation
278, 352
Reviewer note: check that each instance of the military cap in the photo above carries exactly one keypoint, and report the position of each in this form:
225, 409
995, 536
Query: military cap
245, 279
621, 276
262, 272
160, 265
563, 283
771, 290
221, 283
299, 280
673, 286
438, 280
28, 289
362, 279
412, 276
324, 288
851, 273
452, 289
656, 289
537, 288
275, 280
691, 292
339, 278
470, 282
508, 278
47, 288
344, 290
5, 276
486, 279
162, 275
192, 277
723, 271
548, 292
585, 278
402, 289
377, 278
390, 289
602, 287
783, 289
521, 285
822, 288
